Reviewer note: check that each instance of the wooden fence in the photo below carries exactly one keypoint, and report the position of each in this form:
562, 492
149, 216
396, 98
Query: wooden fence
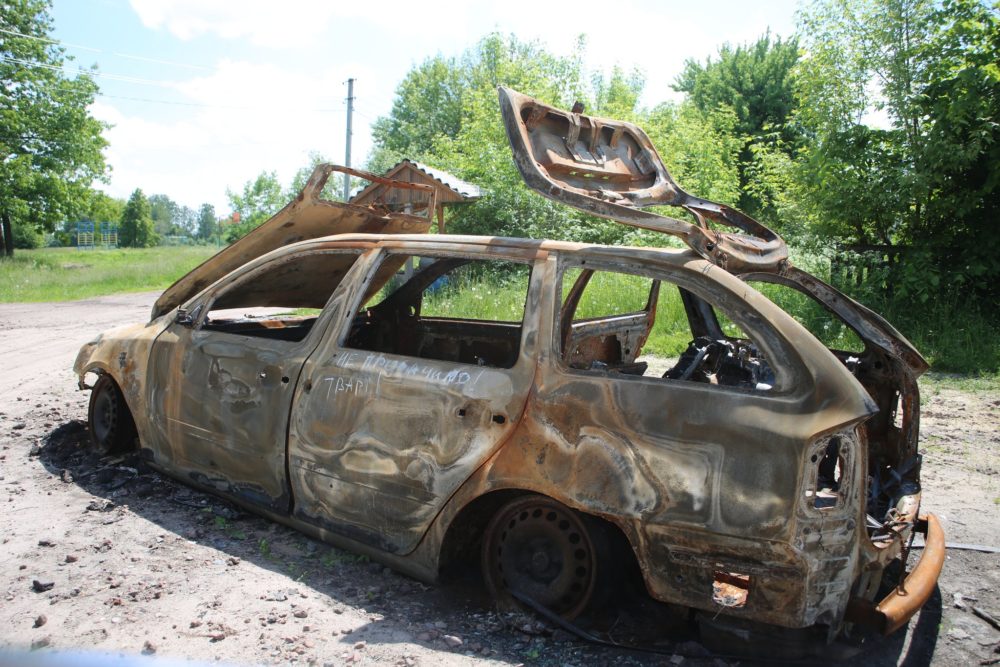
858, 264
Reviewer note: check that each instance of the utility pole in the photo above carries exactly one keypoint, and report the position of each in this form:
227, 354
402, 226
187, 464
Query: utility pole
347, 151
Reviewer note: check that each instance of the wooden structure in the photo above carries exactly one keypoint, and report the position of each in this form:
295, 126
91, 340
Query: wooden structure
450, 190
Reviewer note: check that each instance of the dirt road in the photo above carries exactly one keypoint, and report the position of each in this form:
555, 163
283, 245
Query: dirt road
101, 555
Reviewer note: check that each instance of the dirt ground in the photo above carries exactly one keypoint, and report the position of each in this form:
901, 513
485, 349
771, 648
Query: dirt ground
102, 555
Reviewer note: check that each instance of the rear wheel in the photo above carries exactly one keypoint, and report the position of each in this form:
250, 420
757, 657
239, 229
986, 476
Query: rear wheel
109, 421
544, 551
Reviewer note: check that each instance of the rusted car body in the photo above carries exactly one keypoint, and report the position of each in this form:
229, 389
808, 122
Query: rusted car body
763, 476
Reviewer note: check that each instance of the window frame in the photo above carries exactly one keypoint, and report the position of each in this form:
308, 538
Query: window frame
203, 303
785, 365
770, 279
354, 305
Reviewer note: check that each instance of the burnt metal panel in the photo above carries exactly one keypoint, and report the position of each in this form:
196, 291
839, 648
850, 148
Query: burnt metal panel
611, 168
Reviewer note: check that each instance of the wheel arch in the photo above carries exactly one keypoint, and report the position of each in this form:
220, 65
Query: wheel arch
99, 368
462, 536
112, 429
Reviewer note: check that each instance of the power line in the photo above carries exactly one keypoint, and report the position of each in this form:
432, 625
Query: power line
149, 82
219, 106
86, 72
113, 53
362, 113
130, 79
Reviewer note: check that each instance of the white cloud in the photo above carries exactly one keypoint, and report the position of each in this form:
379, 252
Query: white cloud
277, 24
263, 22
251, 118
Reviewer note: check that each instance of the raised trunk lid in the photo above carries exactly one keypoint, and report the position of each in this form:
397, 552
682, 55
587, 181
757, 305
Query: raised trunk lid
611, 169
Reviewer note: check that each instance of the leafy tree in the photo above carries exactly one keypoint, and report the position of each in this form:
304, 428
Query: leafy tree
958, 152
207, 223
103, 208
480, 153
260, 198
700, 149
617, 96
428, 105
861, 59
186, 221
756, 82
136, 228
164, 211
50, 146
929, 179
334, 188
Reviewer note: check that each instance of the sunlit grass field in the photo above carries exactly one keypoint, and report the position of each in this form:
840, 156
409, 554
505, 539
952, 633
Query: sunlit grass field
64, 274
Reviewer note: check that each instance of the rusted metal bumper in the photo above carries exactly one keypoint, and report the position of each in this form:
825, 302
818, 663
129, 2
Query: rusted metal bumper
905, 600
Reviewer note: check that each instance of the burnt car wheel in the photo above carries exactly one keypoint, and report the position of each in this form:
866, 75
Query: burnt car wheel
109, 421
544, 551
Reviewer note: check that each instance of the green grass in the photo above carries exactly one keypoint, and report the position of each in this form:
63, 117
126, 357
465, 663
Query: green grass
64, 274
466, 296
954, 336
986, 383
502, 299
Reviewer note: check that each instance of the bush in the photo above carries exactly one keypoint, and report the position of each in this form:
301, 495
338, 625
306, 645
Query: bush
26, 237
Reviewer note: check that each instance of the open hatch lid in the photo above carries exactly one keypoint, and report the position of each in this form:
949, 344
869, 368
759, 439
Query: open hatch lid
611, 169
308, 217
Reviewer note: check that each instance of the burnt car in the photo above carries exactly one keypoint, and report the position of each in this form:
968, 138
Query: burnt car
422, 397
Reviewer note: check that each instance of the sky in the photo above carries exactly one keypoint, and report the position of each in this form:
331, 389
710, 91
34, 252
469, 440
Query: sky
203, 95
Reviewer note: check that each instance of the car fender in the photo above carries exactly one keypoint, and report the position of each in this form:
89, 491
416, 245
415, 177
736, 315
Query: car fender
123, 354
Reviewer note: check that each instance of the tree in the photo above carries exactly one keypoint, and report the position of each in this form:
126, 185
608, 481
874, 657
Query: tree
756, 82
186, 221
260, 199
50, 145
617, 96
103, 208
207, 222
27, 237
929, 179
428, 105
164, 211
959, 150
332, 191
701, 149
136, 229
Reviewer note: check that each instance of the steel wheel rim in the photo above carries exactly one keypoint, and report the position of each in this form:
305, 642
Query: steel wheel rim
543, 551
105, 416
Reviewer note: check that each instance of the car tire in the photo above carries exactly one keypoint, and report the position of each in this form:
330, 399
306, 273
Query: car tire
109, 421
546, 552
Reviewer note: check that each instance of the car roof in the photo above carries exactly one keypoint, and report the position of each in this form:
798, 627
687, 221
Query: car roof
500, 242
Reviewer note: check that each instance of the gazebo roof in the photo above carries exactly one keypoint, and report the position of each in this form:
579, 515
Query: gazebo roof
455, 189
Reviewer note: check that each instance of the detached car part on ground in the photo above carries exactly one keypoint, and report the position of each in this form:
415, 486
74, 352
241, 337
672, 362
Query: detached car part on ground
760, 478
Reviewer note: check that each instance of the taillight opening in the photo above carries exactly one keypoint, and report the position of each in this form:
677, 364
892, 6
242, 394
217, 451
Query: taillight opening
826, 473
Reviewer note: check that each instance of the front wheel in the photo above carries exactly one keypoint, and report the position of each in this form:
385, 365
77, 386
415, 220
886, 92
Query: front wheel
109, 421
544, 551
